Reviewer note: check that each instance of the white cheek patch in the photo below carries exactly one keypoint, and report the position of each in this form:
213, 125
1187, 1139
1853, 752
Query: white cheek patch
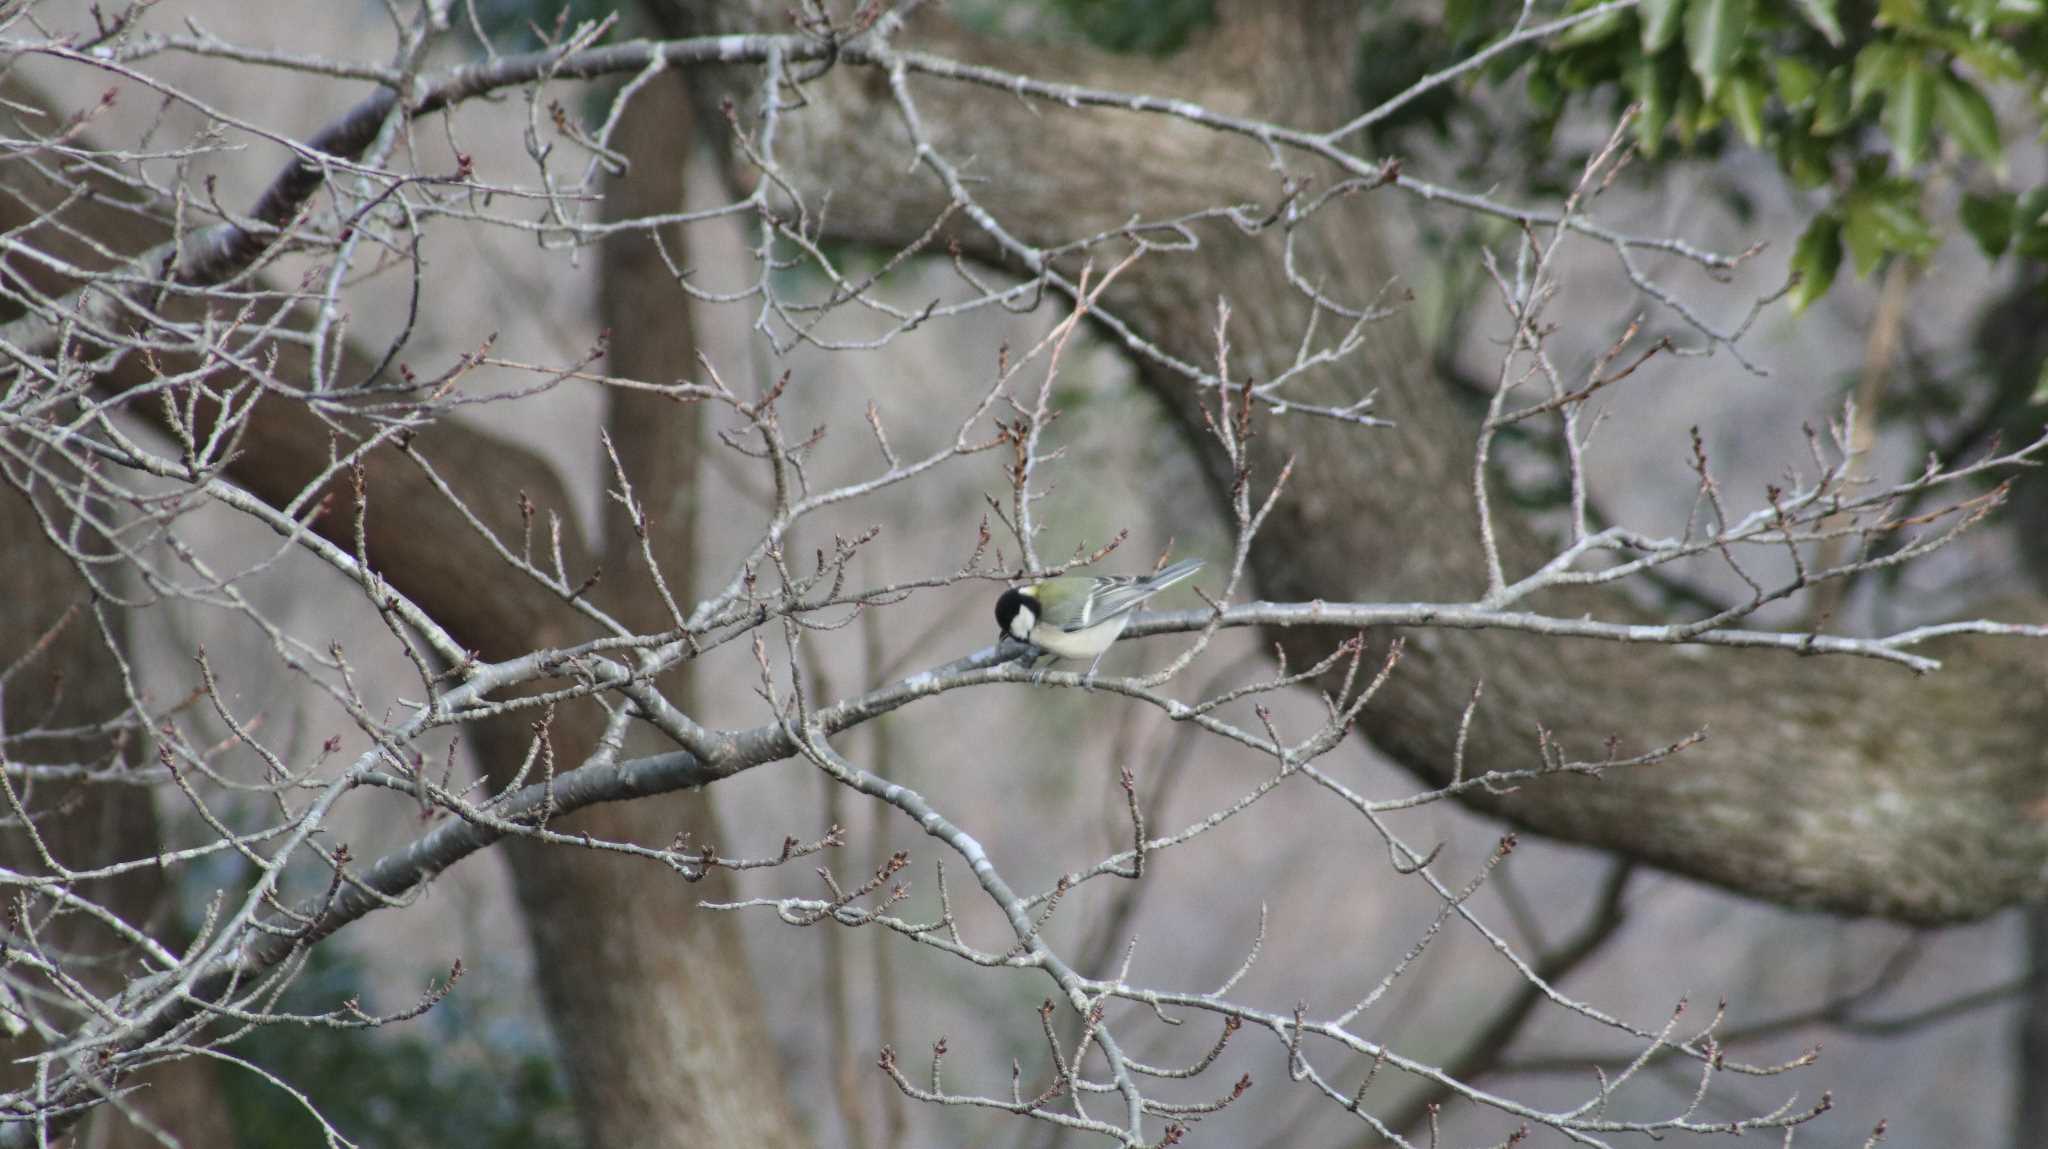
1022, 622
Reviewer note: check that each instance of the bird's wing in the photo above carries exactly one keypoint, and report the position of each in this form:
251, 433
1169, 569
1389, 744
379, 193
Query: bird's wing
1116, 595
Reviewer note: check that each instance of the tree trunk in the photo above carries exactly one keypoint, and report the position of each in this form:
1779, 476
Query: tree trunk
655, 1007
652, 1002
1830, 783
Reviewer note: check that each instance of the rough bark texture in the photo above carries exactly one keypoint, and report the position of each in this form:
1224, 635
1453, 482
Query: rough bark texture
656, 1010
76, 682
652, 1002
1826, 783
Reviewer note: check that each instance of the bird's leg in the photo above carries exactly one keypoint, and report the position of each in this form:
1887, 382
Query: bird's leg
1088, 679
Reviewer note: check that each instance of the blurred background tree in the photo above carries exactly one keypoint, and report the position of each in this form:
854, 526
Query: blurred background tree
1892, 126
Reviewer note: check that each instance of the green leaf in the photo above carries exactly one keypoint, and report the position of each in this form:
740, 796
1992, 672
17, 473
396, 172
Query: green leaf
1592, 31
1545, 97
1902, 13
2040, 396
1462, 16
1990, 59
1821, 14
1816, 259
1660, 23
1504, 65
1805, 157
1832, 107
1654, 81
1989, 220
1908, 113
1965, 114
1976, 13
1798, 81
1690, 116
1878, 66
2031, 207
1866, 242
2030, 242
1884, 219
1905, 232
1713, 35
2029, 234
1743, 100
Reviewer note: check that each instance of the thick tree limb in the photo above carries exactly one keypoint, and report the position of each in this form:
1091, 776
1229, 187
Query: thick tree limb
1353, 529
1830, 784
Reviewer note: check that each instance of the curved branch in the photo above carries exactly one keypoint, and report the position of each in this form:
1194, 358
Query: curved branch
1830, 784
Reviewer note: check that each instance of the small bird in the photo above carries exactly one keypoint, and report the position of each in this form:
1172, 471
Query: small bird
1079, 616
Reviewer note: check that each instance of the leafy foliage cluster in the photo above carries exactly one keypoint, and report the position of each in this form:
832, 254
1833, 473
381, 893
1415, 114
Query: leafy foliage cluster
1869, 103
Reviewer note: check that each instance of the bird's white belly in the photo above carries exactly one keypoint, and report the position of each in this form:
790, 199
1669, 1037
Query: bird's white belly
1078, 643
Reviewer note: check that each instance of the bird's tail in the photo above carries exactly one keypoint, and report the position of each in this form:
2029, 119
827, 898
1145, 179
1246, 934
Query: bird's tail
1178, 572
